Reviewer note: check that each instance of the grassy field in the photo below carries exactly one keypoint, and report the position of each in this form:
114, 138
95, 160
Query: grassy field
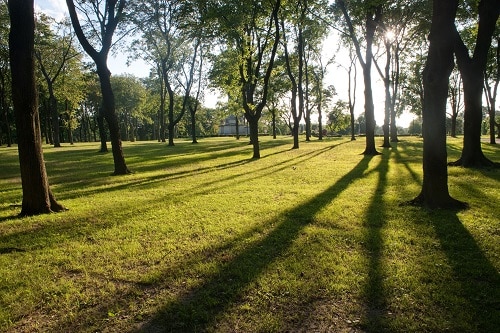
201, 238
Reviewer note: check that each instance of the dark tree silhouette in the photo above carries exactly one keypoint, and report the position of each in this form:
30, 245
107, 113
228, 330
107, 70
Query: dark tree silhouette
472, 70
436, 75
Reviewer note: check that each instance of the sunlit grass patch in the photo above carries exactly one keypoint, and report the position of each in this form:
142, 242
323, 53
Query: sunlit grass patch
203, 238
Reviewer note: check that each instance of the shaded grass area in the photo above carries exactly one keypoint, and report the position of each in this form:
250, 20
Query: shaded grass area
201, 238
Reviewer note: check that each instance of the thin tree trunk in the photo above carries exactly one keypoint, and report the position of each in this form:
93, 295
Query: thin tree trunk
102, 131
373, 17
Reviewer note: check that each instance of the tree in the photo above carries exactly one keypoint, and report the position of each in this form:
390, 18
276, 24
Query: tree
317, 91
351, 88
296, 82
130, 100
403, 22
37, 196
253, 33
455, 98
5, 83
438, 67
412, 88
472, 71
53, 50
172, 40
338, 119
107, 17
372, 15
224, 76
491, 82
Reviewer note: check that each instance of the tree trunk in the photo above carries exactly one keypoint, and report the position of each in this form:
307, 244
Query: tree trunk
371, 26
453, 129
491, 97
320, 120
110, 115
369, 113
472, 153
436, 74
295, 133
5, 114
253, 123
37, 196
395, 83
55, 115
472, 71
388, 99
193, 124
102, 131
273, 122
387, 115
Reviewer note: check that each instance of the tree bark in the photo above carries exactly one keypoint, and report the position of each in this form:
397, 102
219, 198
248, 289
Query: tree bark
100, 59
102, 131
108, 99
472, 71
253, 111
388, 99
37, 196
436, 74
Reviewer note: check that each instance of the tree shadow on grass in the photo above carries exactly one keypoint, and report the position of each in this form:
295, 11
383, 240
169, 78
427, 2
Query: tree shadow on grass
197, 309
376, 313
478, 278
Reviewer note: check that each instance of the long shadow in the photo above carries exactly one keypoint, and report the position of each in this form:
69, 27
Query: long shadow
376, 314
478, 278
197, 309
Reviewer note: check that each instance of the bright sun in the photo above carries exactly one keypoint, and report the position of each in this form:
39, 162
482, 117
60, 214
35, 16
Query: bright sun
390, 35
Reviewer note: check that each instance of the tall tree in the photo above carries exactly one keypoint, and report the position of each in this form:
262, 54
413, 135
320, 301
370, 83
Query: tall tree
106, 17
372, 15
253, 32
172, 39
472, 69
351, 88
491, 82
37, 196
296, 82
438, 67
455, 99
402, 22
5, 94
53, 50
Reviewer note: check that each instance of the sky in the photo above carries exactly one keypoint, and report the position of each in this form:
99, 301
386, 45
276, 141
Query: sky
336, 75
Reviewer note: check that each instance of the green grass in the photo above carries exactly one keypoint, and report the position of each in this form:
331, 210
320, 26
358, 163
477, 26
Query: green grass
201, 238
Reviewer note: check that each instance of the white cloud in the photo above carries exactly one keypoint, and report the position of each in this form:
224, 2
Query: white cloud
54, 8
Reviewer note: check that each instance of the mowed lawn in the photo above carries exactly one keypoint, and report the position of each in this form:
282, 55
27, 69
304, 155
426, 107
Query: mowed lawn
201, 238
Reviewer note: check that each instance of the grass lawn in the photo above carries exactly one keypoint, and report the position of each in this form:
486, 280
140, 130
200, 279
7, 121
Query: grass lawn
201, 238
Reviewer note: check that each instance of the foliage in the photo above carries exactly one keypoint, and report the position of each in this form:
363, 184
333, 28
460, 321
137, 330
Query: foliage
338, 117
